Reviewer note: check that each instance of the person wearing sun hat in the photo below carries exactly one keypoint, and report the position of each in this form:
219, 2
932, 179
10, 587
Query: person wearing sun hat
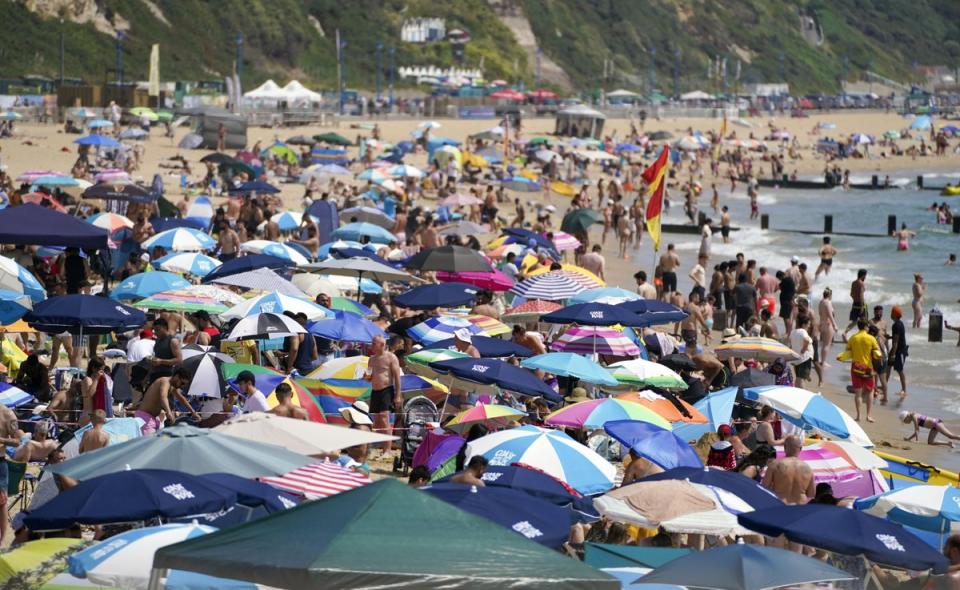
578, 394
357, 415
463, 342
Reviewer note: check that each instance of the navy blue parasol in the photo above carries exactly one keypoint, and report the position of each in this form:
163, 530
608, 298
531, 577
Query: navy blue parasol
247, 263
653, 312
35, 225
252, 493
84, 314
653, 443
437, 295
489, 347
593, 314
255, 186
496, 372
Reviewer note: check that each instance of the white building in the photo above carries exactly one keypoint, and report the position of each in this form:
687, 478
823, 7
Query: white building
423, 30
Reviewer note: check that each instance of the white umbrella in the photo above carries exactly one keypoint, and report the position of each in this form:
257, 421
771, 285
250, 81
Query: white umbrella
276, 303
264, 326
274, 249
299, 436
313, 284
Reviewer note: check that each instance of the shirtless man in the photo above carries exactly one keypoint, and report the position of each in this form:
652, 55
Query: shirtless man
639, 468
228, 242
473, 474
38, 448
858, 308
383, 372
429, 238
285, 406
826, 253
694, 321
95, 438
669, 262
156, 401
464, 343
725, 225
790, 478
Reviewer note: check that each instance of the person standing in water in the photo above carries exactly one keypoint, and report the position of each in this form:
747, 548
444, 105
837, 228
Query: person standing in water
918, 291
903, 237
858, 307
826, 253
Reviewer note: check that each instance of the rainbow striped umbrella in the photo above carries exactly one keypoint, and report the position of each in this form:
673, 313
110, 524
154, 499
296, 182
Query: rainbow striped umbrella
419, 362
530, 310
348, 367
639, 372
764, 350
577, 273
595, 339
492, 416
593, 414
488, 325
664, 407
182, 300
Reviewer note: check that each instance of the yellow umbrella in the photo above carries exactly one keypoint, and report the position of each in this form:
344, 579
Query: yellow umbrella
472, 159
529, 174
572, 268
17, 327
349, 367
497, 242
563, 189
31, 555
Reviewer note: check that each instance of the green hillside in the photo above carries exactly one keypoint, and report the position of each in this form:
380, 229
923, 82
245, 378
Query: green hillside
282, 40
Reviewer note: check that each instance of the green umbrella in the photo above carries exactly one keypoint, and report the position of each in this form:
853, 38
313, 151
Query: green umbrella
187, 449
164, 116
231, 370
144, 112
333, 138
231, 168
329, 543
538, 141
579, 220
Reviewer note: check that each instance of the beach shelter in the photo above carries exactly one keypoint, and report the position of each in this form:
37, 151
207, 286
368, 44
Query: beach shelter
32, 555
36, 225
186, 449
335, 537
298, 436
579, 121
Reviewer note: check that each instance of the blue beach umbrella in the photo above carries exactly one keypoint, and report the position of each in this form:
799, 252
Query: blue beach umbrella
98, 123
162, 224
346, 327
130, 496
717, 407
653, 443
98, 140
194, 263
54, 180
807, 409
534, 518
922, 123
569, 364
592, 314
653, 312
145, 284
551, 451
328, 249
255, 186
288, 220
252, 493
361, 229
925, 507
13, 306
608, 295
437, 295
133, 133
494, 372
490, 347
521, 184
440, 328
14, 277
248, 263
181, 239
12, 396
364, 252
84, 314
848, 532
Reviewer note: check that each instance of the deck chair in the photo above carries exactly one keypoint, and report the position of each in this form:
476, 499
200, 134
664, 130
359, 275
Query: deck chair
20, 485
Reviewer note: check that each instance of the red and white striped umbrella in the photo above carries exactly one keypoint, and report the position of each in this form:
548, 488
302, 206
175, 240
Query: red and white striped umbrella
318, 480
564, 241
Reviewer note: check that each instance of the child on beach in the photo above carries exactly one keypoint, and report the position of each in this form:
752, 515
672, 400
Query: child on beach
934, 424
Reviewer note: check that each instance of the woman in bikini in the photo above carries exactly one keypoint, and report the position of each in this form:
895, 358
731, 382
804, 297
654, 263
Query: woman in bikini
935, 425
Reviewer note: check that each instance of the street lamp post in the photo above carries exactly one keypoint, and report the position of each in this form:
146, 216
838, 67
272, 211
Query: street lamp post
379, 68
119, 58
239, 68
392, 52
62, 52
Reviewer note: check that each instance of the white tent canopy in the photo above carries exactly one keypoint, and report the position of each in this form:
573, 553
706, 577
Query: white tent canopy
622, 94
696, 95
269, 90
295, 91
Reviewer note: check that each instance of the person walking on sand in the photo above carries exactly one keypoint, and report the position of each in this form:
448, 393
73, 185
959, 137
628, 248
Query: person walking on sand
383, 372
898, 350
918, 291
934, 424
862, 349
725, 224
669, 262
858, 308
826, 253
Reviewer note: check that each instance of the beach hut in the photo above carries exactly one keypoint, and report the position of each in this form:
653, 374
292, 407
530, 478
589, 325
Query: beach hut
580, 121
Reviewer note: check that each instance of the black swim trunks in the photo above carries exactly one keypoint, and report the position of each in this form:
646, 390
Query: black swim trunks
669, 281
381, 400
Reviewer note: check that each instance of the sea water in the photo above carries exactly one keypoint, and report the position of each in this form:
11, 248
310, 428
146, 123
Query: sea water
932, 369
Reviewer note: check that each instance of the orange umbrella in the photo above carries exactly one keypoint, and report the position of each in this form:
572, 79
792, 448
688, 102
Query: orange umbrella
664, 407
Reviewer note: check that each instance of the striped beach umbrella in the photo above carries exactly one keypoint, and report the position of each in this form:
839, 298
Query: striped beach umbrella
264, 326
665, 407
568, 364
827, 466
550, 451
181, 239
348, 367
288, 220
608, 295
12, 396
530, 310
440, 328
577, 273
593, 414
564, 241
595, 339
361, 229
344, 304
110, 221
419, 362
145, 284
489, 326
182, 300
925, 507
640, 373
318, 481
193, 263
277, 303
14, 277
274, 249
205, 364
302, 398
550, 286
809, 410
492, 416
765, 350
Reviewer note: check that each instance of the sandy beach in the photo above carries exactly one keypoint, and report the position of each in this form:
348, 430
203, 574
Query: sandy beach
47, 147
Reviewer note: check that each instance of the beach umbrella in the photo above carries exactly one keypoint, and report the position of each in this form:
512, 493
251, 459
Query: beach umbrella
829, 465
193, 263
182, 300
145, 112
861, 139
643, 373
247, 263
722, 483
449, 259
592, 314
352, 285
119, 191
605, 295
110, 221
13, 306
580, 220
595, 340
494, 280
550, 451
298, 436
10, 116
492, 374
552, 286
181, 239
653, 443
440, 328
488, 326
274, 249
437, 295
30, 176
744, 567
348, 367
360, 230
12, 396
346, 327
255, 186
593, 414
529, 310
582, 276
41, 200
333, 139
521, 184
922, 123
765, 350
370, 215
342, 249
564, 241
24, 561
145, 284
892, 134
83, 314
372, 174
54, 181
252, 493
570, 365
925, 507
318, 480
419, 362
461, 200
654, 312
534, 518
129, 496
287, 220
217, 158
533, 482
205, 366
349, 305
492, 416
313, 284
487, 346
276, 303
264, 326
809, 410
847, 532
359, 268
405, 171
134, 133
98, 140
185, 449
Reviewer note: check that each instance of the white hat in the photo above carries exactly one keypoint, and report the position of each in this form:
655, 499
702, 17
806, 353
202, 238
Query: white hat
358, 413
145, 257
794, 259
463, 335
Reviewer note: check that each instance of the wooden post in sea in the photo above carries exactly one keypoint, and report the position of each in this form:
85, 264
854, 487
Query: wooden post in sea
764, 221
956, 225
919, 180
891, 224
828, 224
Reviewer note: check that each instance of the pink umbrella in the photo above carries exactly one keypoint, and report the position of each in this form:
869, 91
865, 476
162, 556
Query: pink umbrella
111, 175
318, 481
460, 200
827, 465
494, 280
595, 339
564, 241
31, 175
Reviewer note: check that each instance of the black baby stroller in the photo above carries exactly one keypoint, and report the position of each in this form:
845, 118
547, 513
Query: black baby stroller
418, 412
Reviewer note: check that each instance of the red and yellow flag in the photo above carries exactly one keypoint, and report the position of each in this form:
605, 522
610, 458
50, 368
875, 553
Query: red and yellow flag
656, 178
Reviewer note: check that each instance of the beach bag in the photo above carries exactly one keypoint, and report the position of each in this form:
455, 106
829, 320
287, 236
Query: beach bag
862, 370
